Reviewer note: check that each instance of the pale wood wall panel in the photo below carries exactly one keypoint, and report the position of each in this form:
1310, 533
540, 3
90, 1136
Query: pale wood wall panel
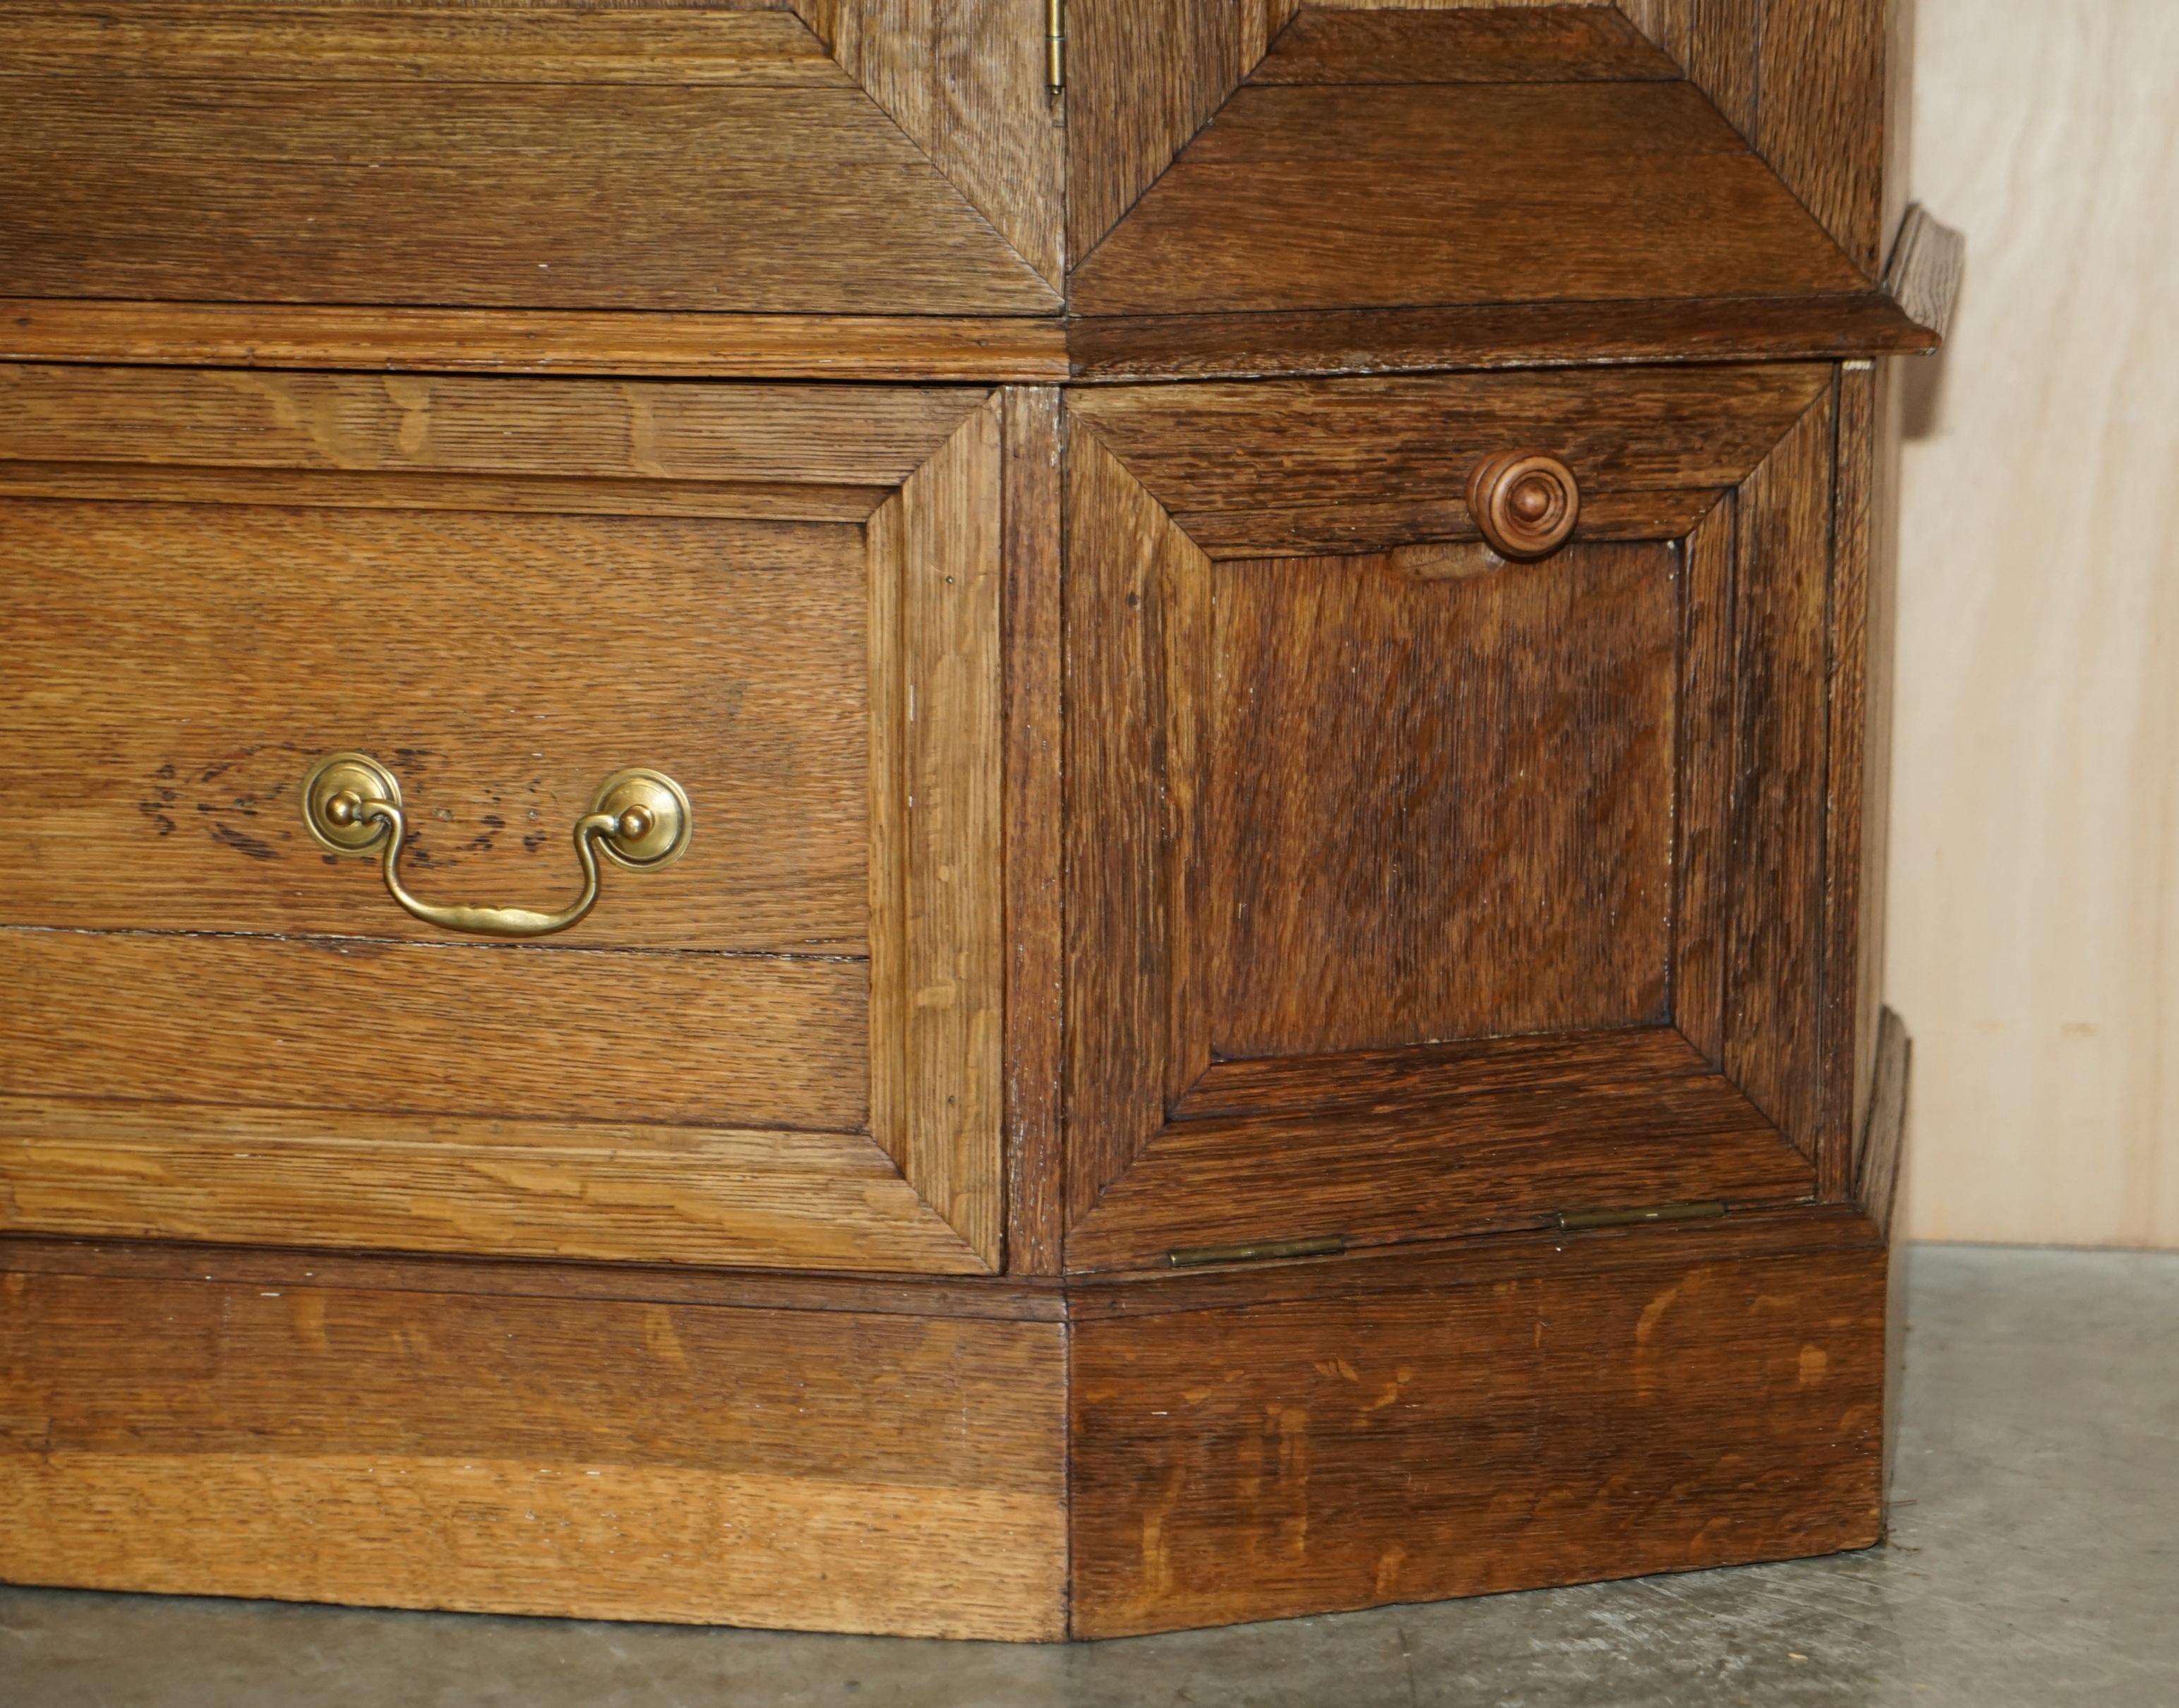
2034, 935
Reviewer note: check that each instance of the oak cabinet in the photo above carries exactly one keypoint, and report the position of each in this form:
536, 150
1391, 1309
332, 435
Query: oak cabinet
980, 820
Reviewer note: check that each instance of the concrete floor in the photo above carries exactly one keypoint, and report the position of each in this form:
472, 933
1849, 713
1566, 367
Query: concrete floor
2035, 1561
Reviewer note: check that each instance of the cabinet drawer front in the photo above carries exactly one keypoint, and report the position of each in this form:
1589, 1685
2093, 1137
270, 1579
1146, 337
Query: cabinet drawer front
504, 592
707, 159
1420, 890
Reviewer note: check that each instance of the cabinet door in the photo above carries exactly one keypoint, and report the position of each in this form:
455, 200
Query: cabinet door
1414, 892
783, 1048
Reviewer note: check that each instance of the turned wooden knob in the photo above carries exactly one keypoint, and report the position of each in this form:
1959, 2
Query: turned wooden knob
1525, 502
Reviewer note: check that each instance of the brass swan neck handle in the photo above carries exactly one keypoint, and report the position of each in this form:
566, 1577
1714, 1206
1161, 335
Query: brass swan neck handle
641, 818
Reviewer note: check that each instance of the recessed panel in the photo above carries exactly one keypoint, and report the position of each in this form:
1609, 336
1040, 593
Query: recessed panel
1441, 797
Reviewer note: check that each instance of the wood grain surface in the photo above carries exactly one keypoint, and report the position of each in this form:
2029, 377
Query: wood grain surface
189, 942
1587, 1126
1775, 970
641, 342
965, 80
1520, 335
1390, 196
1650, 1404
454, 1028
1310, 828
937, 884
864, 436
1309, 467
604, 1189
282, 183
825, 1469
1035, 848
194, 661
1451, 798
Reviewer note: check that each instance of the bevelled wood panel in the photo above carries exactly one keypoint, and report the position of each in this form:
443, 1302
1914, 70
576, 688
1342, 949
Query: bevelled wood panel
1330, 816
735, 168
1447, 787
1617, 1121
1352, 196
843, 1469
1297, 470
1489, 44
105, 1168
788, 598
1601, 1408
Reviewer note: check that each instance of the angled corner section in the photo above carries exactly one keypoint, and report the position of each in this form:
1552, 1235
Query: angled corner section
1473, 187
938, 903
964, 80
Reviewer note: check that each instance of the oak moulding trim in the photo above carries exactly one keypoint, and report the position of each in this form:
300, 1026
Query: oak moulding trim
1332, 343
634, 344
1929, 262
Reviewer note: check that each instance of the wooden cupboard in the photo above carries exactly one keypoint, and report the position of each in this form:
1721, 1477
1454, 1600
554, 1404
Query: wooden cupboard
1240, 977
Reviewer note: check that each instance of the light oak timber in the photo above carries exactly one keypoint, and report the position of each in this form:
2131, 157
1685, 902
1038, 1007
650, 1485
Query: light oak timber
966, 80
607, 1189
1027, 1299
635, 343
397, 44
194, 661
937, 884
874, 435
584, 1458
456, 1027
1034, 837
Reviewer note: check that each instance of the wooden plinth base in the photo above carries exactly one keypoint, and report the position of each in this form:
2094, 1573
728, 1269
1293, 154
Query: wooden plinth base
1007, 1460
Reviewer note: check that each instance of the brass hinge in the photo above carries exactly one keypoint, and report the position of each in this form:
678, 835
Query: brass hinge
1055, 43
1653, 1212
1329, 1245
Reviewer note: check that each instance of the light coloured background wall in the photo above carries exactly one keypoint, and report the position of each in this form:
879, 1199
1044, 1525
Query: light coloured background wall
2034, 943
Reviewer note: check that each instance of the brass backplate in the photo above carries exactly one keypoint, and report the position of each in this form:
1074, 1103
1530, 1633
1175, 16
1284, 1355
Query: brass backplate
334, 788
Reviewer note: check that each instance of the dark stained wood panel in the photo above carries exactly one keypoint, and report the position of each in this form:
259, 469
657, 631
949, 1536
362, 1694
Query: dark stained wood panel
1440, 807
516, 196
1036, 834
1491, 44
1523, 335
1122, 554
1309, 467
1332, 197
833, 1469
1591, 1135
1775, 970
195, 660
1586, 1419
1143, 75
